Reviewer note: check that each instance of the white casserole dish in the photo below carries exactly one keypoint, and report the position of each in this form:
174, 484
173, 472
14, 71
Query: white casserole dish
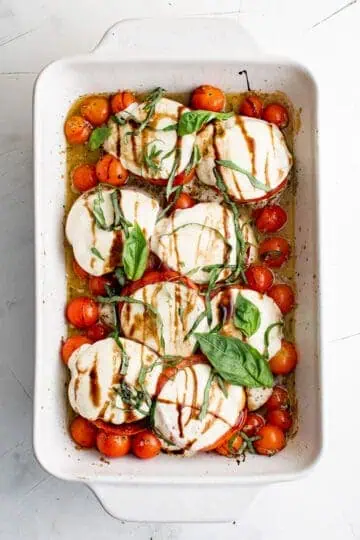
132, 55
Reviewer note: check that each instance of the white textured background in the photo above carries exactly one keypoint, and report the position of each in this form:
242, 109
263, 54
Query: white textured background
325, 34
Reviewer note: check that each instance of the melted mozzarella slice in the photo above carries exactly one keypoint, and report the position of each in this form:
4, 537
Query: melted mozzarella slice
257, 397
95, 390
254, 145
177, 308
99, 251
153, 152
200, 236
178, 407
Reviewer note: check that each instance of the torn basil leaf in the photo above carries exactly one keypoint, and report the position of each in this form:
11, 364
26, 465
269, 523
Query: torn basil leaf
247, 316
135, 253
193, 121
98, 137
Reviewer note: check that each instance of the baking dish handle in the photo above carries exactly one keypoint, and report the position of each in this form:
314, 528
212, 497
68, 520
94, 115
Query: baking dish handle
174, 503
222, 38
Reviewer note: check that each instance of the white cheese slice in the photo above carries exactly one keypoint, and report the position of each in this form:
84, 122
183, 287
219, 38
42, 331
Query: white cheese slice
177, 307
257, 397
133, 149
178, 406
95, 378
256, 146
99, 251
200, 236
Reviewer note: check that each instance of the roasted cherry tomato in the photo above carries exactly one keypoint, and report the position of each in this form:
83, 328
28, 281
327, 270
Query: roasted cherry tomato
253, 423
276, 114
208, 98
96, 110
71, 344
80, 272
83, 432
153, 262
274, 251
157, 276
84, 177
270, 219
82, 312
97, 284
184, 201
252, 106
113, 445
279, 398
280, 418
259, 278
285, 360
231, 447
121, 101
283, 295
111, 171
179, 180
97, 331
146, 445
77, 130
272, 440
121, 429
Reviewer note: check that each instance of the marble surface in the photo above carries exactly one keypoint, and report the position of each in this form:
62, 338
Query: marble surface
326, 35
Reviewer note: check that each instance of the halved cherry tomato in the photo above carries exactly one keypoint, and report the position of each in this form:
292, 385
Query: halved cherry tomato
252, 106
231, 447
84, 177
77, 130
83, 432
179, 180
274, 251
280, 418
284, 297
80, 272
82, 312
285, 360
224, 438
184, 201
96, 110
97, 331
97, 284
279, 398
170, 372
121, 101
113, 445
272, 440
156, 276
259, 277
71, 344
146, 445
208, 98
253, 423
276, 114
270, 219
121, 429
111, 171
102, 167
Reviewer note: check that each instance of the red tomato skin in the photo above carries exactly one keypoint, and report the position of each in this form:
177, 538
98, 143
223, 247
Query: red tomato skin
71, 344
97, 331
82, 312
129, 429
77, 130
252, 106
146, 445
270, 246
184, 201
271, 219
84, 177
259, 278
79, 271
254, 423
83, 432
97, 285
209, 98
121, 101
276, 114
285, 360
280, 418
283, 296
279, 398
113, 446
272, 440
96, 110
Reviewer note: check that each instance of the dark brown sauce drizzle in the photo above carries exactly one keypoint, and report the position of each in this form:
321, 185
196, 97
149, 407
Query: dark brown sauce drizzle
250, 143
94, 383
225, 306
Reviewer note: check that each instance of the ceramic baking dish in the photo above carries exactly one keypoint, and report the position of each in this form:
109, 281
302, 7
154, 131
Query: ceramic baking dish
177, 55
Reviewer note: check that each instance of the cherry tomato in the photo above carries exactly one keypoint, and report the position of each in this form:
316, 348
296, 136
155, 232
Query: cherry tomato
121, 429
276, 114
157, 276
146, 445
71, 344
280, 418
179, 180
270, 219
252, 106
231, 447
279, 398
80, 272
77, 130
230, 433
110, 170
253, 423
284, 360
184, 201
272, 440
82, 312
97, 331
96, 110
83, 432
102, 167
153, 262
121, 101
97, 285
274, 251
259, 277
208, 98
113, 445
283, 295
84, 177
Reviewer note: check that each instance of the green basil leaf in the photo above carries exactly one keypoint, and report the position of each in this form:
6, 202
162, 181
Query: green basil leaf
97, 253
193, 121
236, 362
253, 181
135, 253
247, 316
98, 137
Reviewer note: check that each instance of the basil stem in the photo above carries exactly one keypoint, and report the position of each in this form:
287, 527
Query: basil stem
177, 192
150, 102
205, 403
169, 186
195, 325
124, 356
267, 337
194, 159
